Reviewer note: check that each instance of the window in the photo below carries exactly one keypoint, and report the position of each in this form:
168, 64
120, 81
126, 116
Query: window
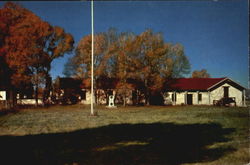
174, 97
83, 95
199, 97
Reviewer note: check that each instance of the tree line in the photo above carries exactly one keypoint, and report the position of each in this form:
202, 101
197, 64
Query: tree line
145, 57
28, 45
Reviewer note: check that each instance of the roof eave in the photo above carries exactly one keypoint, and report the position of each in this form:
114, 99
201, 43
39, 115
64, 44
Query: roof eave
226, 78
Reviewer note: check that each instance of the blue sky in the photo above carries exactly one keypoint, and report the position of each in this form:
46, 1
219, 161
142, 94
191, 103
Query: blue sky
214, 33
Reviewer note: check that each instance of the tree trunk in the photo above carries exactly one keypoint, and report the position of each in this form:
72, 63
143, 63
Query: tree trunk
14, 99
147, 100
114, 95
36, 87
48, 84
124, 98
106, 96
96, 97
10, 99
36, 93
137, 97
146, 93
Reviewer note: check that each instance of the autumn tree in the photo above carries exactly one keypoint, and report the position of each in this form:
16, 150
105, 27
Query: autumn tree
19, 42
146, 58
122, 69
155, 60
30, 45
200, 74
6, 20
82, 58
103, 59
4, 74
55, 45
149, 59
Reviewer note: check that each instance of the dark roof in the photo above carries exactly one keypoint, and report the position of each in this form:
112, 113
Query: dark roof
189, 84
66, 82
4, 84
111, 83
101, 83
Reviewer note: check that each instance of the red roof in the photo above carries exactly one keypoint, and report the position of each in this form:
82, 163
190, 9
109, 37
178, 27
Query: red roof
191, 83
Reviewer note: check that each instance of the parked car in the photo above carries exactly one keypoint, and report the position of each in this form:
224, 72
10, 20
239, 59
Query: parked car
226, 101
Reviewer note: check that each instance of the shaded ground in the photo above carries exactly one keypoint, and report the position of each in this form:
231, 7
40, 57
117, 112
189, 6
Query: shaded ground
151, 135
155, 143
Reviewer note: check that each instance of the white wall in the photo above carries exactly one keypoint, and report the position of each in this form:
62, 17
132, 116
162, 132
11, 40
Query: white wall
2, 95
88, 98
216, 94
102, 97
180, 98
29, 101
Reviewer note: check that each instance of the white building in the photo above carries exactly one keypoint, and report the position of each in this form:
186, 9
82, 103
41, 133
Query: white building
203, 91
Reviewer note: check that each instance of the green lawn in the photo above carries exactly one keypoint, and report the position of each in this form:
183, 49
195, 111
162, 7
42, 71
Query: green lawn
190, 135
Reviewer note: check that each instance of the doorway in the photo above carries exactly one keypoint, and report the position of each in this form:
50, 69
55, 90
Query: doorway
226, 90
189, 99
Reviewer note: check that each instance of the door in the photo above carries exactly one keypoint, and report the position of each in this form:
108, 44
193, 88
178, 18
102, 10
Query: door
226, 89
189, 99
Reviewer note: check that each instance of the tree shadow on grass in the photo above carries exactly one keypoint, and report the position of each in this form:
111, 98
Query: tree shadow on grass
122, 144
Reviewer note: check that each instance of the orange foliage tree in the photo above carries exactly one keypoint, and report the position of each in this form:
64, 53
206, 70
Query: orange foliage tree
55, 45
30, 45
103, 59
155, 60
21, 52
200, 74
146, 58
109, 58
122, 68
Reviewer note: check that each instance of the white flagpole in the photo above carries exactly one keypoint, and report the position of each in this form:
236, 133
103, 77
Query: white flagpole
92, 57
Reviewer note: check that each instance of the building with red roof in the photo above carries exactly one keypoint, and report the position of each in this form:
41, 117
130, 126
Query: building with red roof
179, 91
203, 91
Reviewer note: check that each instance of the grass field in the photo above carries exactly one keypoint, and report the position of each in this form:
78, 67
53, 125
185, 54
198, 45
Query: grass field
67, 135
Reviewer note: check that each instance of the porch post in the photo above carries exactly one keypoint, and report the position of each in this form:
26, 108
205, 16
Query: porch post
209, 97
197, 97
186, 97
174, 97
244, 98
